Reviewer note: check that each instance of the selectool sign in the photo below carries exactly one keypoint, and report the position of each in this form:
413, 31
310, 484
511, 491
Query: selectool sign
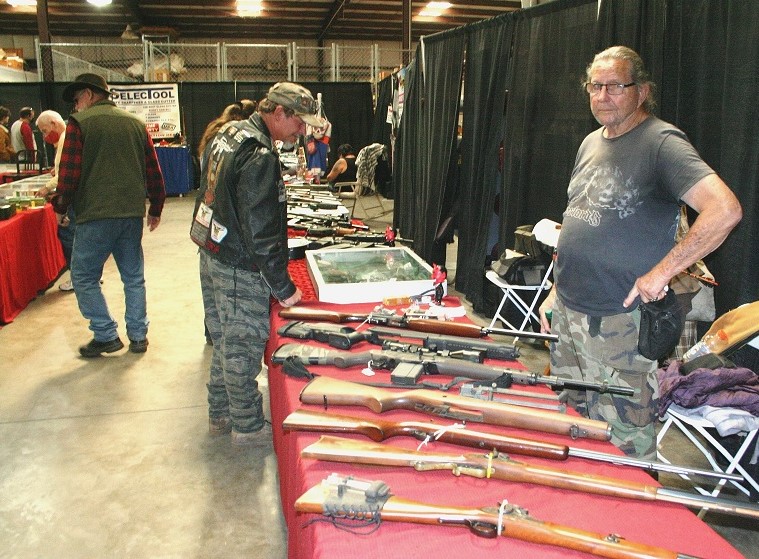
156, 104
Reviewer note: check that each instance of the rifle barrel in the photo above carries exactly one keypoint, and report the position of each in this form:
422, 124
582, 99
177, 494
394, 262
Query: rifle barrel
337, 449
380, 430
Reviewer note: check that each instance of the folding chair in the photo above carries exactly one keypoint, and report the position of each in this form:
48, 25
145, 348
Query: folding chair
347, 191
547, 233
696, 430
367, 202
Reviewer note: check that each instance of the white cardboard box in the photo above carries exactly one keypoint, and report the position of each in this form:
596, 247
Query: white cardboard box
367, 275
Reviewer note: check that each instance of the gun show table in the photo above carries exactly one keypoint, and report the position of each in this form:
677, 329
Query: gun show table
661, 524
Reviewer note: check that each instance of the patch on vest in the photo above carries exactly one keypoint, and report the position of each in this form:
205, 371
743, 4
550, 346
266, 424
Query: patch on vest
218, 231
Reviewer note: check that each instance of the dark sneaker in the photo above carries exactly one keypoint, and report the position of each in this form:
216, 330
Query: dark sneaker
219, 425
138, 346
95, 348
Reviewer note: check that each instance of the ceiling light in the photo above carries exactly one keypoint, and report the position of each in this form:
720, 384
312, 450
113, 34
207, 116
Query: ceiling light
99, 2
434, 9
249, 8
19, 3
129, 34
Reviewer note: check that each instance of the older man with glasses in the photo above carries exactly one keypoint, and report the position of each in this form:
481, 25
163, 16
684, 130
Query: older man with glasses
617, 244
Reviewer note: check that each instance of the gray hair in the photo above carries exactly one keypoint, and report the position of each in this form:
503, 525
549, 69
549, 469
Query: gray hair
638, 72
50, 117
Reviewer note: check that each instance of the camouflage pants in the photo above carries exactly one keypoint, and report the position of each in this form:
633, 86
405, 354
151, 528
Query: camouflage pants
611, 356
236, 306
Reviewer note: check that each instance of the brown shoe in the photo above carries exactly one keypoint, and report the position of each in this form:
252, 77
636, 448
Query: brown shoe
262, 437
219, 425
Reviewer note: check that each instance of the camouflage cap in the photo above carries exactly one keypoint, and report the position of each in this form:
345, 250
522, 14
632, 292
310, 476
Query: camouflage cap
298, 98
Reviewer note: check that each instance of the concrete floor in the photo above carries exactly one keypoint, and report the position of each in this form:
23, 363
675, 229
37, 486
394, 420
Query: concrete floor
111, 457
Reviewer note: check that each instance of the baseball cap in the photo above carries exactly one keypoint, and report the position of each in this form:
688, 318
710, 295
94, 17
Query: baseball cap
85, 81
297, 98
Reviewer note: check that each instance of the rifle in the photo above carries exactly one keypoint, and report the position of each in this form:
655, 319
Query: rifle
372, 502
329, 391
432, 364
496, 466
379, 430
345, 337
446, 327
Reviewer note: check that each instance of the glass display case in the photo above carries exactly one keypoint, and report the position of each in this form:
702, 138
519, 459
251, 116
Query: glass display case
367, 275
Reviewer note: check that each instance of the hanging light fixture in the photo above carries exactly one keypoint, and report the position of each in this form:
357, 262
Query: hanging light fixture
249, 8
99, 3
21, 3
129, 34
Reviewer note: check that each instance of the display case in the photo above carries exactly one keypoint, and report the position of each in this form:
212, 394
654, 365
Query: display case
367, 275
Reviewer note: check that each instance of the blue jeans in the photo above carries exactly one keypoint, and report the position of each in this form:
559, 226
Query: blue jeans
94, 242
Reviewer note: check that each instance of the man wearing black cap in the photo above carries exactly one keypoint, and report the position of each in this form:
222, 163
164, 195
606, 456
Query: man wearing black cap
240, 224
107, 165
22, 136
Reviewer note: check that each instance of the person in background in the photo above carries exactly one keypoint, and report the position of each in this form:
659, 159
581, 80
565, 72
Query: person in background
240, 223
107, 165
248, 107
22, 136
344, 169
53, 129
6, 147
617, 244
230, 113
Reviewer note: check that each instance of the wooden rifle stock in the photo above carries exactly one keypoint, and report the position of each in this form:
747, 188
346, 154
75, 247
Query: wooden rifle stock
445, 327
379, 430
515, 523
337, 449
328, 391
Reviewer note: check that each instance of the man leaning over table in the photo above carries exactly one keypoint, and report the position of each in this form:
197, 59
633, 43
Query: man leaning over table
240, 223
107, 165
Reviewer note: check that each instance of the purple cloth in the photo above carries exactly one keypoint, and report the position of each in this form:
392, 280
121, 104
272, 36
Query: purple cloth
727, 388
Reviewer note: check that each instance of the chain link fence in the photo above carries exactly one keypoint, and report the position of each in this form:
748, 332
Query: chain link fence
151, 61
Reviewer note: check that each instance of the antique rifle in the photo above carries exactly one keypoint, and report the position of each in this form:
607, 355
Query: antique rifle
496, 466
433, 364
379, 430
365, 502
326, 391
345, 337
432, 326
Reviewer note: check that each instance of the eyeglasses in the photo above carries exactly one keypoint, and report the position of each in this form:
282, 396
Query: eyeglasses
611, 88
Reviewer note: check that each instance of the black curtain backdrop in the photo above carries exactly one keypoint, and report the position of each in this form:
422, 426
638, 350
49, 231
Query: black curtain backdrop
428, 144
485, 92
710, 90
381, 128
546, 118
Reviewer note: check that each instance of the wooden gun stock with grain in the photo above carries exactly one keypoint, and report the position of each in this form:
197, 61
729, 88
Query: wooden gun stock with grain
379, 430
326, 391
509, 520
495, 466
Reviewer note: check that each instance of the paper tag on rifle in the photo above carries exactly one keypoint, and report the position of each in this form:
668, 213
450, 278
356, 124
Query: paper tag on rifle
368, 371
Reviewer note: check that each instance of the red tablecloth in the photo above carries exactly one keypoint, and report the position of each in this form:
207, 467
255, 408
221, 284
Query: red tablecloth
661, 524
30, 258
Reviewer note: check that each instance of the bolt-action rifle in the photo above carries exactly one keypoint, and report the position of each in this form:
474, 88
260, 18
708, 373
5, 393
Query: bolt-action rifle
432, 326
432, 364
379, 430
341, 497
497, 466
326, 391
345, 337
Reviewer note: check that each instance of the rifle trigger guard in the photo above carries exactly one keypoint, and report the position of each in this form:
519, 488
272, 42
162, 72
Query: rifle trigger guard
482, 529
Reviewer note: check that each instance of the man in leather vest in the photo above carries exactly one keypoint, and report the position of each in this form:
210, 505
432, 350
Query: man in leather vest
107, 164
240, 223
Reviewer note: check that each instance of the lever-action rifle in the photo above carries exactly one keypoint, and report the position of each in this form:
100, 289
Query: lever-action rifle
345, 337
379, 430
326, 391
433, 365
447, 327
495, 466
371, 502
